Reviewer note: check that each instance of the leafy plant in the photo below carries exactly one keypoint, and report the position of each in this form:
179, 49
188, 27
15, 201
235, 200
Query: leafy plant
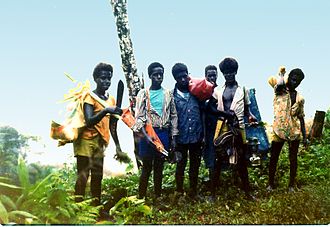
128, 208
12, 144
49, 201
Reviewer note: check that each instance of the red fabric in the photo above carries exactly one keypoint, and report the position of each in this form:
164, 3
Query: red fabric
201, 88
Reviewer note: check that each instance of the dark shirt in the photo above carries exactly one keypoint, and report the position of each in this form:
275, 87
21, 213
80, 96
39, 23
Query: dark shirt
210, 120
189, 119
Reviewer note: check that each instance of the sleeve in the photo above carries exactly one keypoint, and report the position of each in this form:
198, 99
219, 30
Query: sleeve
215, 94
88, 99
140, 111
247, 101
173, 116
112, 101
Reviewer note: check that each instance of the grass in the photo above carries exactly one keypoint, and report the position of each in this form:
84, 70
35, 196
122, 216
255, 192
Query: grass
309, 204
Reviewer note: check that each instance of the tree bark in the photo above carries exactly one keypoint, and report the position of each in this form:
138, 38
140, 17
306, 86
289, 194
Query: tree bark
133, 82
316, 131
126, 48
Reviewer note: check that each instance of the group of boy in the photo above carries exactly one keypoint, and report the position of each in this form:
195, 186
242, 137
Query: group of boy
186, 125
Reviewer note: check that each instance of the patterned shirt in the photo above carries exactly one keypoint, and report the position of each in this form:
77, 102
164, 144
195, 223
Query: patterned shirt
189, 119
286, 123
168, 119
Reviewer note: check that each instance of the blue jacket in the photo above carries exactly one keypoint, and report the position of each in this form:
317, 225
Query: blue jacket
189, 119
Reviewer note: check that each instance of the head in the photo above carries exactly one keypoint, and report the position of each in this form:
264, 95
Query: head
211, 73
180, 74
229, 67
294, 78
156, 74
102, 76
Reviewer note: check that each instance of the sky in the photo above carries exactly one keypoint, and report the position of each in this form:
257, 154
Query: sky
41, 40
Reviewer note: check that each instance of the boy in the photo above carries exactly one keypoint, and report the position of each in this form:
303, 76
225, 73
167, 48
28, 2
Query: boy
155, 105
288, 123
94, 138
232, 104
190, 130
210, 121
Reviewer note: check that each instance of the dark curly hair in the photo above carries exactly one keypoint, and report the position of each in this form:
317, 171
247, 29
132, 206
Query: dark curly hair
298, 72
101, 67
179, 67
210, 67
228, 65
154, 65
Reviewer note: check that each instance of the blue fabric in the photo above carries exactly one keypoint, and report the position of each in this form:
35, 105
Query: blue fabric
157, 100
146, 150
257, 131
189, 119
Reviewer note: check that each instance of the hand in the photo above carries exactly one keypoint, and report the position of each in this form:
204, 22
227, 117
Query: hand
203, 144
305, 142
114, 110
252, 118
173, 143
232, 119
118, 111
121, 156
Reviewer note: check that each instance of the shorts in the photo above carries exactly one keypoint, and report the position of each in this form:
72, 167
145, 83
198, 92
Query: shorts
94, 147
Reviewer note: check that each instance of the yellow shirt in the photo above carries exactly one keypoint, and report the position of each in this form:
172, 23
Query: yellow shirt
286, 123
102, 127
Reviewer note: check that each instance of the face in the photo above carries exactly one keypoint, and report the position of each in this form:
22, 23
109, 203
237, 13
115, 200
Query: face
157, 76
182, 80
230, 77
103, 80
293, 82
211, 75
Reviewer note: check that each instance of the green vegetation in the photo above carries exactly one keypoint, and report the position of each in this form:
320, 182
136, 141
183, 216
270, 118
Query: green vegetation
47, 197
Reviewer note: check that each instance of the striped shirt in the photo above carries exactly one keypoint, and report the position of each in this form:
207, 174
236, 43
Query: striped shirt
168, 119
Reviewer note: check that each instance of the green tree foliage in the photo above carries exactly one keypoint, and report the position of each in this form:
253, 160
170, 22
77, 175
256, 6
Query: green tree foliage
12, 143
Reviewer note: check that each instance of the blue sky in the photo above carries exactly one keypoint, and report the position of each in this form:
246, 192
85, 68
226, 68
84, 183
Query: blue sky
40, 40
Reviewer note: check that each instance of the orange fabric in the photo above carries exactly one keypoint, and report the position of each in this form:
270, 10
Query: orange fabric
101, 127
155, 139
129, 120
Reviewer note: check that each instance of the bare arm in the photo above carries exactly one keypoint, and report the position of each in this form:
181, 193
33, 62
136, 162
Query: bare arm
113, 131
303, 130
120, 155
92, 119
280, 86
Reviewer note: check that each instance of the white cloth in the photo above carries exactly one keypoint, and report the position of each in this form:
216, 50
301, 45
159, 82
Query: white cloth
237, 104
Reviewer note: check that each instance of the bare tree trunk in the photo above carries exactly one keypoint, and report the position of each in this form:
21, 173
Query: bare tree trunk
316, 131
133, 82
126, 48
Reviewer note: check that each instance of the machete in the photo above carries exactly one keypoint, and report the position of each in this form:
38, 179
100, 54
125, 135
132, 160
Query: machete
120, 92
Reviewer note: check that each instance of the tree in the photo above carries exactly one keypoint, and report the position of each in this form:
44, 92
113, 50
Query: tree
127, 57
12, 144
126, 48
